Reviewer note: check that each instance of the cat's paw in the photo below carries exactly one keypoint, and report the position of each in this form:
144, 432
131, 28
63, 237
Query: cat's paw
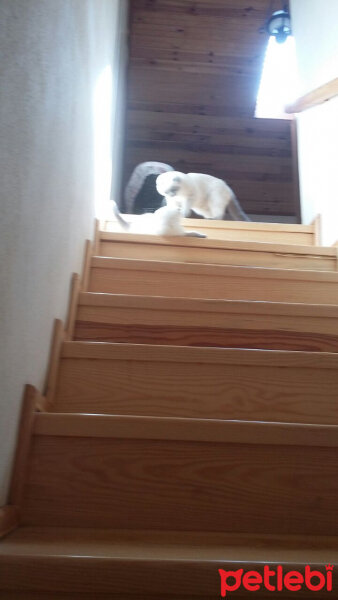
195, 234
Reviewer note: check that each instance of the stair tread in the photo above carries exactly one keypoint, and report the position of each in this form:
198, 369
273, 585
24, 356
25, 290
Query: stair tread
191, 242
187, 429
145, 563
108, 262
168, 545
207, 304
222, 252
243, 356
224, 224
290, 233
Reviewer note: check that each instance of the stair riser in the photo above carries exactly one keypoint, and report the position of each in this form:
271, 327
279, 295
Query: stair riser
185, 322
218, 256
182, 485
183, 284
195, 389
83, 575
138, 333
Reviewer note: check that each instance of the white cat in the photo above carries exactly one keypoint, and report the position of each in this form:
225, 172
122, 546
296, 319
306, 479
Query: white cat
165, 221
206, 195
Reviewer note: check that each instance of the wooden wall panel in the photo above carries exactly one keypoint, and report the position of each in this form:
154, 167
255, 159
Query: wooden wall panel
193, 78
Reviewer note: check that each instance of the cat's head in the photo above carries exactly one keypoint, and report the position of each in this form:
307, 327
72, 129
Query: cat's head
172, 184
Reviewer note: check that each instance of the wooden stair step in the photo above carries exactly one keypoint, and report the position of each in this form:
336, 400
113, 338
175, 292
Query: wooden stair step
156, 278
77, 563
185, 429
279, 233
7, 595
196, 322
137, 379
136, 473
206, 251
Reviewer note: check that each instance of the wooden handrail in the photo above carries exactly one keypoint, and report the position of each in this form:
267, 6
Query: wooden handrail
318, 96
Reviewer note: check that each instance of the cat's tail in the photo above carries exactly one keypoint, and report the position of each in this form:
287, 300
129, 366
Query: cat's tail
235, 210
124, 224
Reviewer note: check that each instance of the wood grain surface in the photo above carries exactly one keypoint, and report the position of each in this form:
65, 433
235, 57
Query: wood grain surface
183, 429
278, 233
198, 382
81, 563
9, 519
205, 251
193, 78
172, 485
322, 94
151, 278
193, 322
91, 330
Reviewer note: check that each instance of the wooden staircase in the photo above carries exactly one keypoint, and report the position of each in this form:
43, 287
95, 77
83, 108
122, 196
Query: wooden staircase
189, 423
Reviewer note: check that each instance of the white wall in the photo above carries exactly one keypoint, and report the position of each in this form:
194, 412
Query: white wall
119, 100
53, 54
314, 25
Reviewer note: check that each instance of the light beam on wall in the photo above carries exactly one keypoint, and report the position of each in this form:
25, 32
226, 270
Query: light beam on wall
279, 82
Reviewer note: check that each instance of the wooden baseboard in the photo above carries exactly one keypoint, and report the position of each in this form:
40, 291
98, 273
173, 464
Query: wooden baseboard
86, 265
32, 399
96, 242
72, 306
9, 519
57, 341
80, 283
316, 223
61, 332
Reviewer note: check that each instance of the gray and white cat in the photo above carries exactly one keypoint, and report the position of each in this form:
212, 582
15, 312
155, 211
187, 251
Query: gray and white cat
206, 195
165, 221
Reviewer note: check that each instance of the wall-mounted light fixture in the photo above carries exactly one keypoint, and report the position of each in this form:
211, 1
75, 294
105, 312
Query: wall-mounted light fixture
279, 24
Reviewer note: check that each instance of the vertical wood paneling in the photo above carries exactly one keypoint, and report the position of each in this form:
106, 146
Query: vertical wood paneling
192, 84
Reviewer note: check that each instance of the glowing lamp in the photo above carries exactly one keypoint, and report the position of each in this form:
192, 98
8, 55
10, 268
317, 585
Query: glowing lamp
279, 25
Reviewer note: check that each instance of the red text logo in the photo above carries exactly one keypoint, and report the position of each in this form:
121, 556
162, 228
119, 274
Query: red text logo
276, 580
